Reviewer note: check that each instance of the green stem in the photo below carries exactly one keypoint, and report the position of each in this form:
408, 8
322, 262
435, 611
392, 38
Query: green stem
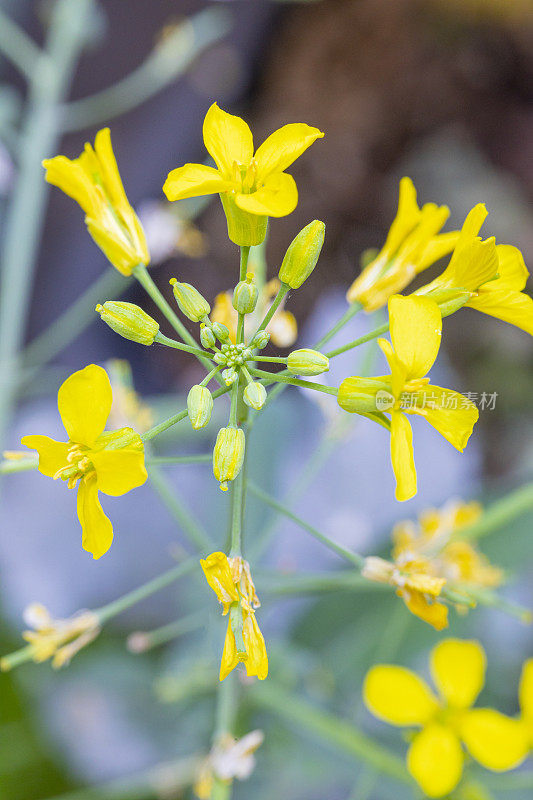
353, 558
196, 351
333, 731
170, 59
196, 459
499, 514
283, 289
18, 47
271, 377
357, 342
141, 641
167, 492
245, 253
210, 375
39, 136
116, 607
346, 317
237, 500
298, 584
168, 423
8, 467
271, 359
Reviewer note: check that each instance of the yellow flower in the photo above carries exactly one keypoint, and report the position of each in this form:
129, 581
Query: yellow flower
282, 327
229, 759
412, 245
489, 277
526, 699
251, 187
415, 329
128, 408
58, 639
436, 757
232, 583
112, 462
93, 181
426, 556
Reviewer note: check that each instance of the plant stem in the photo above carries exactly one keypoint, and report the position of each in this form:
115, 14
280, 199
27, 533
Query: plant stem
210, 375
168, 494
334, 731
362, 340
141, 641
168, 423
353, 558
116, 607
245, 253
8, 467
18, 47
196, 351
201, 458
271, 359
346, 317
237, 500
295, 584
271, 377
283, 289
498, 514
38, 138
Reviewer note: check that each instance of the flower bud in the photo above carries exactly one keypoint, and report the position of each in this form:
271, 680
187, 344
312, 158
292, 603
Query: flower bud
207, 337
365, 395
129, 321
307, 362
190, 301
220, 331
255, 395
260, 340
228, 455
302, 255
230, 376
245, 295
199, 406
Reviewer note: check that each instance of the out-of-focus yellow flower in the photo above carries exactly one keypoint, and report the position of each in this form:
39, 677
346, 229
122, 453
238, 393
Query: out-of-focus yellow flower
282, 327
412, 245
486, 276
229, 759
427, 555
93, 181
232, 583
251, 187
415, 329
58, 639
526, 699
110, 462
436, 757
127, 410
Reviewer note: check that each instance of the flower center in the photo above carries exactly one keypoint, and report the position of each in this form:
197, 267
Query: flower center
78, 465
246, 176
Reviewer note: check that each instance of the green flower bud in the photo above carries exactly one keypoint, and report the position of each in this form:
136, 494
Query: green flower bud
245, 295
190, 301
365, 395
255, 395
228, 455
220, 331
307, 362
260, 340
302, 255
129, 321
230, 376
207, 337
199, 406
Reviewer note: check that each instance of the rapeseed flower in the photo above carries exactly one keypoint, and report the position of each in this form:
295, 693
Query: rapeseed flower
94, 182
110, 462
447, 721
414, 242
430, 554
232, 583
484, 276
415, 329
526, 699
229, 759
252, 187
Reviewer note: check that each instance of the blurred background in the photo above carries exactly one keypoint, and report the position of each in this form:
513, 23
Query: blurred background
439, 90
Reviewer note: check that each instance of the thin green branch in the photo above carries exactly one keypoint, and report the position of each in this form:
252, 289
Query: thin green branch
141, 641
181, 415
353, 309
499, 514
200, 458
357, 342
160, 338
168, 494
276, 377
282, 291
10, 466
18, 47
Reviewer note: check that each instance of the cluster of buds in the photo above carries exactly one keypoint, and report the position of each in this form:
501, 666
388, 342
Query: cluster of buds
234, 354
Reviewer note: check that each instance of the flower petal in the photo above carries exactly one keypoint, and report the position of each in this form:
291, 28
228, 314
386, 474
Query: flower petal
450, 413
52, 454
406, 219
526, 690
194, 180
218, 575
435, 760
458, 670
69, 176
398, 696
510, 306
109, 169
230, 659
496, 741
419, 604
257, 661
415, 329
402, 456
227, 139
512, 271
276, 198
283, 147
437, 248
119, 471
84, 401
97, 528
